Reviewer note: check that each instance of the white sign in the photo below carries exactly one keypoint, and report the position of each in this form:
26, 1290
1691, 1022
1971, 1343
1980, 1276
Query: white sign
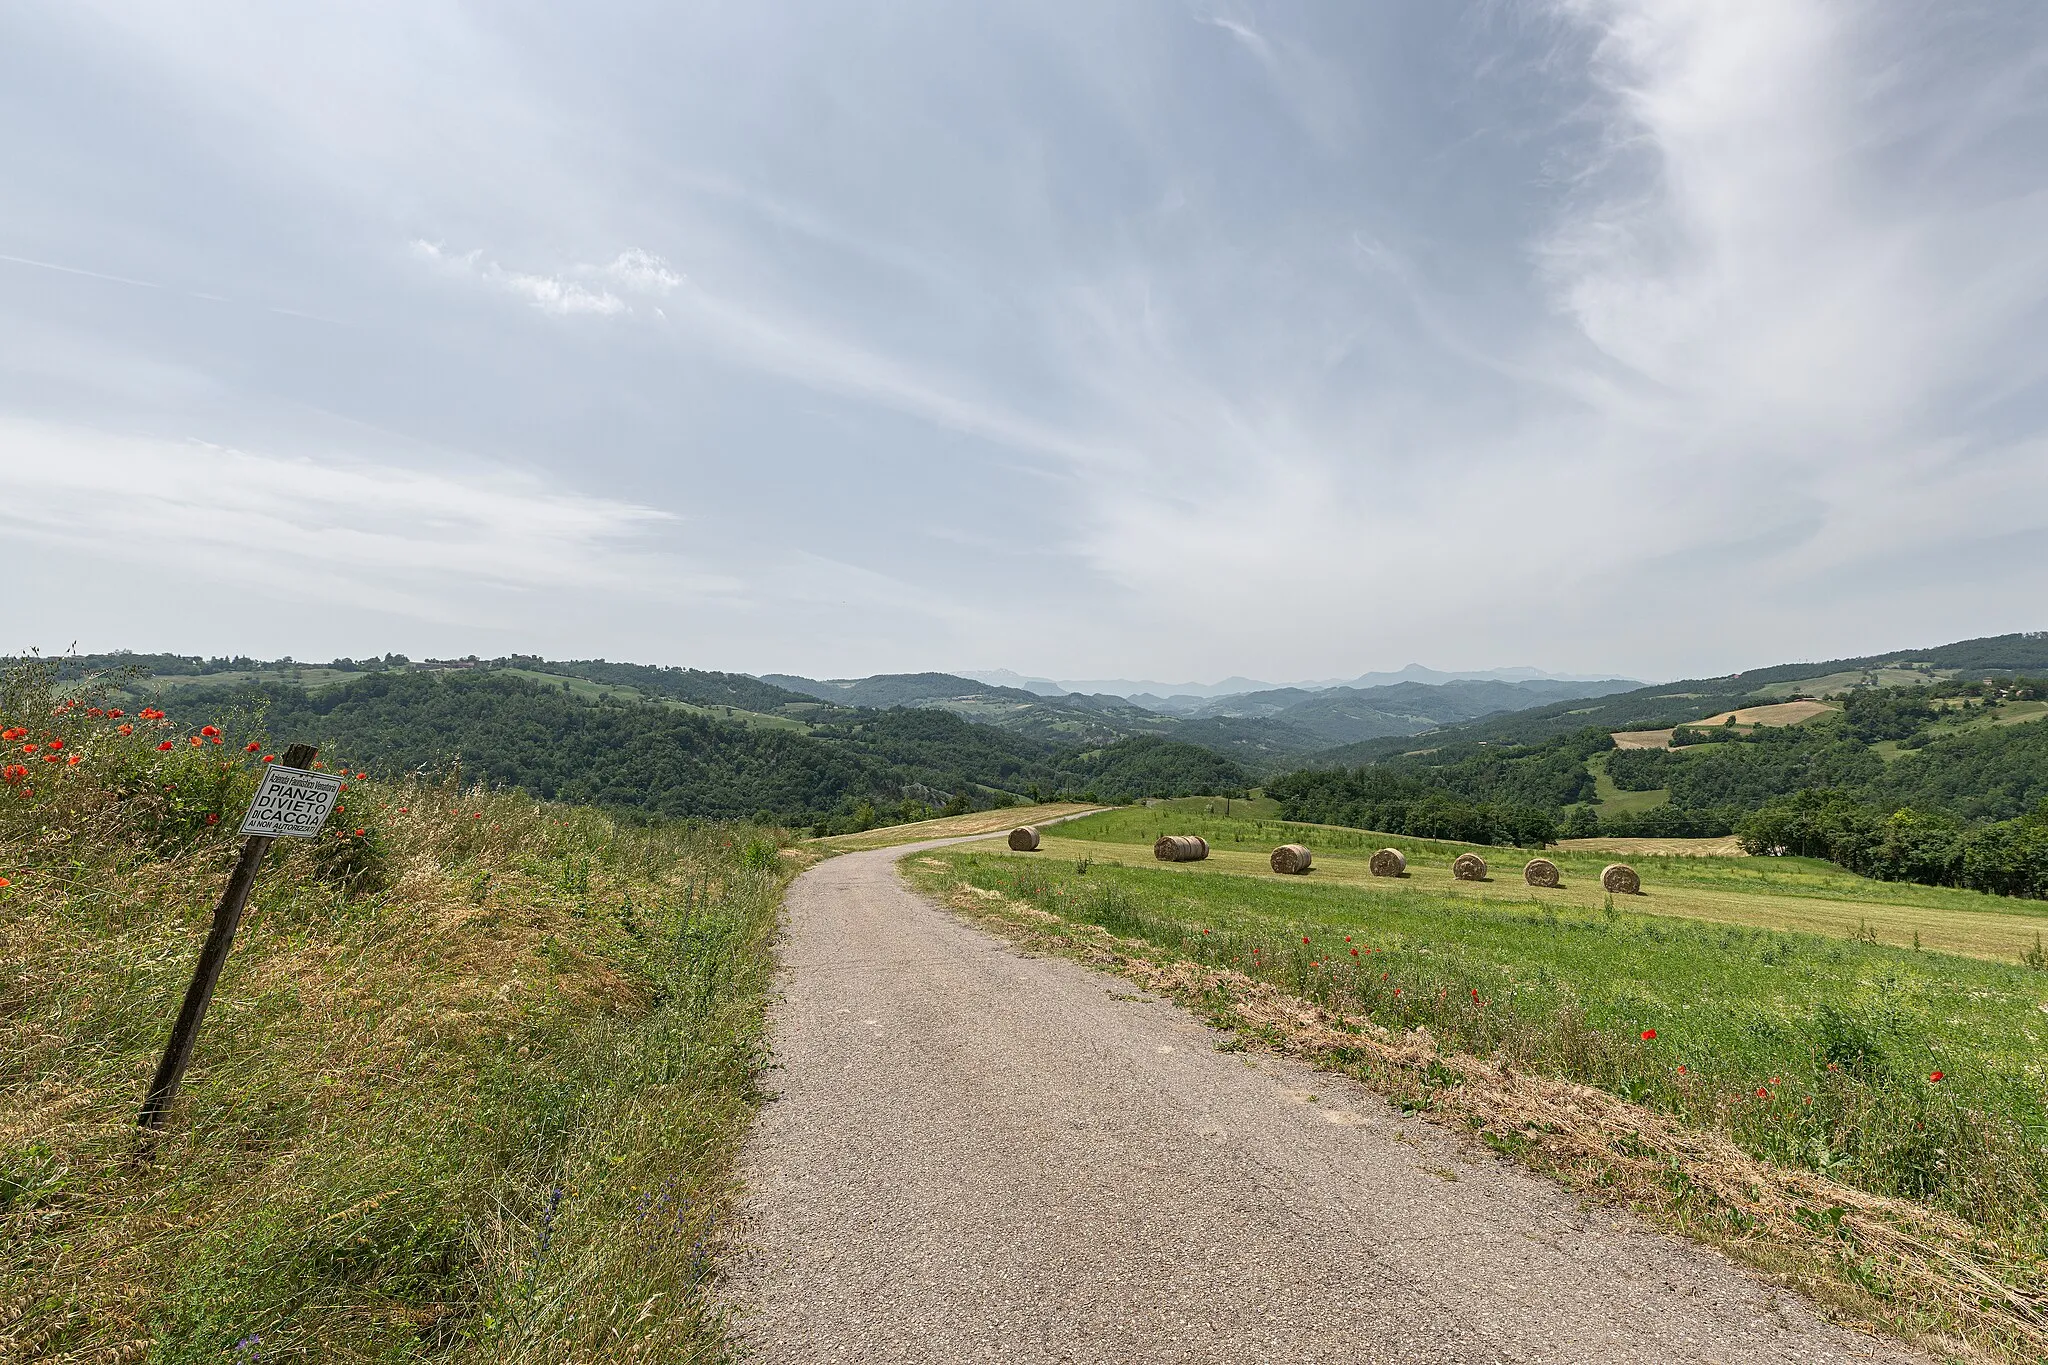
292, 802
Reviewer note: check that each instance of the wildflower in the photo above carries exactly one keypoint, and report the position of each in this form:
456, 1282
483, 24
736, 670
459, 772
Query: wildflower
209, 730
1347, 938
1354, 952
362, 777
1304, 938
115, 714
197, 741
4, 883
74, 760
1649, 1035
127, 729
1776, 1081
165, 745
1475, 992
218, 740
1397, 990
403, 811
359, 834
1935, 1076
94, 711
213, 817
53, 758
30, 748
1762, 1093
1681, 1068
251, 747
477, 816
270, 758
55, 744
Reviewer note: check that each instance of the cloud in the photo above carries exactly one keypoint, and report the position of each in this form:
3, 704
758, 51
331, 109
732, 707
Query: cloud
636, 271
423, 544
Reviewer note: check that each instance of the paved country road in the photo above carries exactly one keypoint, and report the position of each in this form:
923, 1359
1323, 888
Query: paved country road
981, 1155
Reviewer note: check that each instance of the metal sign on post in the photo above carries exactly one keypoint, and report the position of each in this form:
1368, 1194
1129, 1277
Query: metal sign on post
292, 802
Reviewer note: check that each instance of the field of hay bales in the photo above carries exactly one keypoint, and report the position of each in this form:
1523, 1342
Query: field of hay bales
1858, 1070
470, 1089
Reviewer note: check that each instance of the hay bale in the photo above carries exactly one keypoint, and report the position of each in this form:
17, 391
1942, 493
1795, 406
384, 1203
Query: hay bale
1469, 867
1540, 872
1024, 840
1292, 859
1621, 880
1180, 848
1389, 862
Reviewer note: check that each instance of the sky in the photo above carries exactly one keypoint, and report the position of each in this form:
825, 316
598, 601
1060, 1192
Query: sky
1175, 340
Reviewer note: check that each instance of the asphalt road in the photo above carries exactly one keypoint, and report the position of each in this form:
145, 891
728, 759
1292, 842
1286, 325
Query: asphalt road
980, 1155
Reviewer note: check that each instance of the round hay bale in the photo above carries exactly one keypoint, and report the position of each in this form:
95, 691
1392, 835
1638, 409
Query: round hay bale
1292, 859
1540, 872
1180, 848
1620, 879
1024, 840
1389, 862
1469, 867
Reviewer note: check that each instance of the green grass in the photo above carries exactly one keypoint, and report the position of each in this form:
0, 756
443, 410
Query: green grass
1615, 801
1840, 1035
586, 690
312, 679
1800, 894
471, 1090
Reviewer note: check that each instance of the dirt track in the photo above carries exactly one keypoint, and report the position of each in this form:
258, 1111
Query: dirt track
978, 1155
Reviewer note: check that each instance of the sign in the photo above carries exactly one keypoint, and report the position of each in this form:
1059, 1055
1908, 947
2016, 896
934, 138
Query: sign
292, 802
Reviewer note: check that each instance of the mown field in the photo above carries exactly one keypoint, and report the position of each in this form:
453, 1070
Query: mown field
1911, 1075
471, 1089
1806, 895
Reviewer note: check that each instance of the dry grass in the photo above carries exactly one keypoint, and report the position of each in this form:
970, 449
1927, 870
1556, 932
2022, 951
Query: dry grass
1778, 713
1866, 1258
947, 827
485, 1111
1642, 739
1726, 847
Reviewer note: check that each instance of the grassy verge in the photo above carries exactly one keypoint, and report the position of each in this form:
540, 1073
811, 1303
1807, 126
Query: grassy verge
471, 1089
1866, 1121
1801, 894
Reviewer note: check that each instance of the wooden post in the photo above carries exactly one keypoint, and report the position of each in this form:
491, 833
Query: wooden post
170, 1072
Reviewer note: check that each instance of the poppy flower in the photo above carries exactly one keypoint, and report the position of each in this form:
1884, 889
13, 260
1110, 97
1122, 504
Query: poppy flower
362, 777
197, 741
1475, 992
53, 758
74, 760
56, 744
212, 817
478, 816
1681, 1068
403, 811
165, 745
359, 834
270, 758
94, 711
1304, 938
1649, 1035
251, 747
30, 748
4, 883
1935, 1076
209, 730
127, 729
1776, 1081
1397, 990
1762, 1093
115, 714
1354, 952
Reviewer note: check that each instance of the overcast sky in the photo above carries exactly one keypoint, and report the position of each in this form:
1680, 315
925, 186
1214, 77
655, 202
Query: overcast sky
1165, 340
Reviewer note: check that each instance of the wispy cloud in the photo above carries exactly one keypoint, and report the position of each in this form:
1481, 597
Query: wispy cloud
633, 271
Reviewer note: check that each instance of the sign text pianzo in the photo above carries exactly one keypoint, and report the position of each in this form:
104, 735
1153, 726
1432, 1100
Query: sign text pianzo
292, 802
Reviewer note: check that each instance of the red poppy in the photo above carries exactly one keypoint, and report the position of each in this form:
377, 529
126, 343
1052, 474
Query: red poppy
4, 883
362, 777
478, 816
218, 740
359, 834
212, 817
1397, 990
1475, 992
251, 747
1354, 952
1935, 1076
403, 811
94, 712
127, 729
1304, 938
209, 731
270, 758
30, 748
197, 741
74, 760
115, 715
165, 745
1681, 1068
1762, 1093
1649, 1034
1776, 1081
56, 744
53, 758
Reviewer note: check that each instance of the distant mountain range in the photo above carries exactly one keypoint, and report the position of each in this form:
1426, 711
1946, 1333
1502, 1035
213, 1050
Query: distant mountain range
1179, 697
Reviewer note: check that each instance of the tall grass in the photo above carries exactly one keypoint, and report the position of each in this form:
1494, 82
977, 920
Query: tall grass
471, 1088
